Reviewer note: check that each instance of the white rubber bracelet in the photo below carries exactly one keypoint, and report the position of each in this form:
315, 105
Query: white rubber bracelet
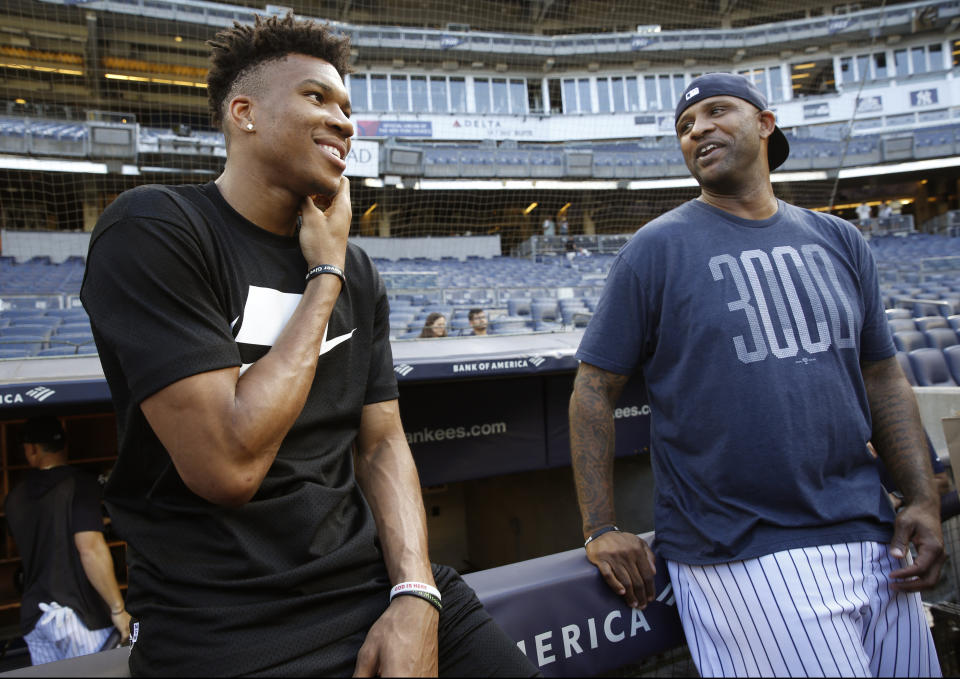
416, 587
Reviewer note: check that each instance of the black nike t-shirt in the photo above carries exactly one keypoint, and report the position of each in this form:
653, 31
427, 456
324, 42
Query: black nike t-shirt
178, 283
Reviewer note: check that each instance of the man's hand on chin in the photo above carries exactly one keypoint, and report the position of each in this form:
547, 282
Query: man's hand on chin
402, 642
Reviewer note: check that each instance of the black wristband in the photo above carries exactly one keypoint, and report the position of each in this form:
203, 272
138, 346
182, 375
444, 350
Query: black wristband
426, 596
596, 534
326, 268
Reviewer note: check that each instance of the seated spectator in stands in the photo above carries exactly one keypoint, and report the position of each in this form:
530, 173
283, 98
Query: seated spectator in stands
478, 322
435, 325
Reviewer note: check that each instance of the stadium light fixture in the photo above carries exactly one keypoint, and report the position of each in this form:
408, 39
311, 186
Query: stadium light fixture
912, 166
530, 208
48, 165
42, 69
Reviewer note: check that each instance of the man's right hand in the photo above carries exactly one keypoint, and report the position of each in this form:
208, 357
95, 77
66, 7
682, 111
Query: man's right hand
626, 563
323, 233
122, 622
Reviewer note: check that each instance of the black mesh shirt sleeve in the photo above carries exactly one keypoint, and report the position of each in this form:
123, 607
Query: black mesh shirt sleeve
381, 381
151, 302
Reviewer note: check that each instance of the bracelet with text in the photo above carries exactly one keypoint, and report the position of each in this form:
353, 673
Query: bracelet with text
426, 596
596, 534
414, 587
326, 268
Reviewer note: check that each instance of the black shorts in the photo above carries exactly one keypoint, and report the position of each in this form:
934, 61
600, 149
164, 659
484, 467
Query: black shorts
471, 644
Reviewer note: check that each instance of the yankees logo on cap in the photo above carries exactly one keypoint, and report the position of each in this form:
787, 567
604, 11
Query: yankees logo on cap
733, 85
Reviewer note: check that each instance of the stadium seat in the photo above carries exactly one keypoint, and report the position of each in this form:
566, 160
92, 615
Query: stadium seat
898, 313
508, 324
24, 344
518, 307
26, 330
930, 368
58, 350
921, 309
7, 352
543, 311
954, 322
904, 362
927, 322
901, 325
909, 340
88, 348
940, 338
952, 356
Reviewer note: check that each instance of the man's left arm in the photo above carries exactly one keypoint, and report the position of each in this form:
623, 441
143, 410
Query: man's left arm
899, 441
403, 641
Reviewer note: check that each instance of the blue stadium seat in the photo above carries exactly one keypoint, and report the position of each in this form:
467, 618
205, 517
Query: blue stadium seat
952, 356
88, 348
909, 340
940, 338
904, 362
930, 368
28, 345
6, 352
954, 322
518, 307
58, 350
508, 324
927, 322
901, 325
543, 311
22, 331
921, 309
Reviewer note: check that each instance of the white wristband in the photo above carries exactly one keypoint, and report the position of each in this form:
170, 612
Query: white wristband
415, 587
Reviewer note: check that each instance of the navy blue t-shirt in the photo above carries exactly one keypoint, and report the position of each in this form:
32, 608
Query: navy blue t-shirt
750, 335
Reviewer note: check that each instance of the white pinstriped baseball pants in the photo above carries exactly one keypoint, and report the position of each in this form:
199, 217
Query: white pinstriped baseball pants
59, 634
809, 612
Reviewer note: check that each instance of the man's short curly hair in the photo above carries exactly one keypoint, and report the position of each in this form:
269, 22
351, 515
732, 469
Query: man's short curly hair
238, 52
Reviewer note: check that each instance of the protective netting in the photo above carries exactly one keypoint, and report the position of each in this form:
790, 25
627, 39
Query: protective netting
492, 117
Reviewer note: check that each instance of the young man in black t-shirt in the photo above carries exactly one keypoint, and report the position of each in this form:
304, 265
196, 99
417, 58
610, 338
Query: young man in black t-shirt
71, 600
264, 485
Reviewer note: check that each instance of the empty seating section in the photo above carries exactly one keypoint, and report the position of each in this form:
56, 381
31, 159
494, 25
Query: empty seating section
919, 283
44, 332
36, 313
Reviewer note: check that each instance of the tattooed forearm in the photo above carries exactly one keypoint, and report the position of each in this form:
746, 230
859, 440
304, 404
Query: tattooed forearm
595, 392
898, 433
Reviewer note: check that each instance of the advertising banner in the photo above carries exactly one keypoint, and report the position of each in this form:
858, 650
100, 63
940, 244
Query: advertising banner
473, 429
363, 159
631, 418
568, 622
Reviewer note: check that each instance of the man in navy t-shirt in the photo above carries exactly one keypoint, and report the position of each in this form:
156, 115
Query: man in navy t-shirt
759, 329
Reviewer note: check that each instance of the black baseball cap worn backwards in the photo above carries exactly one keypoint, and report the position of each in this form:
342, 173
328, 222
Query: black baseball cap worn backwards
733, 85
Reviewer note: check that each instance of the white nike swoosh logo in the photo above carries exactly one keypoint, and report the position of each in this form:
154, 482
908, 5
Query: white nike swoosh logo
326, 345
266, 313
